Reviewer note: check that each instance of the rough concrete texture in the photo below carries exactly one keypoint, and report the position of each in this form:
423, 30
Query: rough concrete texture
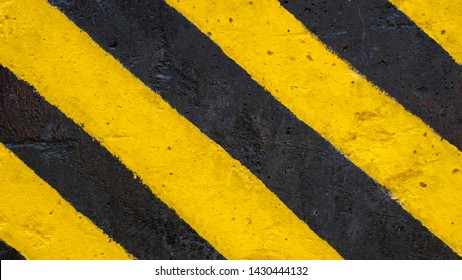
341, 203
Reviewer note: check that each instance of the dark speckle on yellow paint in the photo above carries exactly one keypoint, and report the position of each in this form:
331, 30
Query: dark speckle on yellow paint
269, 52
423, 185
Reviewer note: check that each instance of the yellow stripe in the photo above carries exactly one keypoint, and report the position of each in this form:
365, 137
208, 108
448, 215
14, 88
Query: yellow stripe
375, 132
441, 20
40, 224
212, 192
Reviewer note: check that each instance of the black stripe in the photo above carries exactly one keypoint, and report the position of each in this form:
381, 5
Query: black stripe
336, 199
394, 53
9, 253
91, 179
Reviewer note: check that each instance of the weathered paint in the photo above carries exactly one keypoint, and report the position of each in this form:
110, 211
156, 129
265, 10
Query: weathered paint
388, 48
44, 48
440, 19
375, 132
335, 198
86, 175
40, 224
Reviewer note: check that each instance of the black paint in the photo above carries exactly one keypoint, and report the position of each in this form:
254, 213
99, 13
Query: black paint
91, 179
392, 52
9, 253
335, 198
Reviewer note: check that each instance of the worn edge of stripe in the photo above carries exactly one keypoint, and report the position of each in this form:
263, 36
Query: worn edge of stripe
441, 20
9, 253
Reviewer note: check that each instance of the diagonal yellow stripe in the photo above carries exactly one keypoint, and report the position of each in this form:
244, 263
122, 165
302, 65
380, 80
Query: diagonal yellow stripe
376, 133
40, 224
441, 20
214, 193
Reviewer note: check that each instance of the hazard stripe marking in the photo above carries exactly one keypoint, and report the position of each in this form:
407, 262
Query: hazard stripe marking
440, 19
314, 180
40, 224
375, 132
90, 178
169, 154
393, 53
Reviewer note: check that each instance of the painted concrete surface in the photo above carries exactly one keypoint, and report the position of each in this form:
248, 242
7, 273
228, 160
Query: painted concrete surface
318, 106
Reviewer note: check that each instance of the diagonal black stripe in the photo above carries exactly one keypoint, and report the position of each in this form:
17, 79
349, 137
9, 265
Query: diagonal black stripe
9, 253
387, 47
91, 179
336, 199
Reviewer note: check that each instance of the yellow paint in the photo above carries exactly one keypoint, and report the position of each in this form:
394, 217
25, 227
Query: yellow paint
376, 133
441, 20
40, 224
211, 191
